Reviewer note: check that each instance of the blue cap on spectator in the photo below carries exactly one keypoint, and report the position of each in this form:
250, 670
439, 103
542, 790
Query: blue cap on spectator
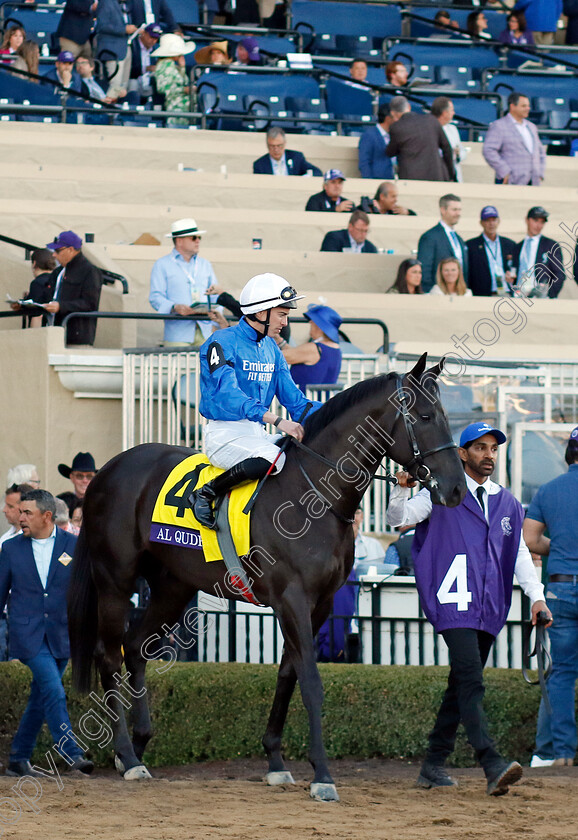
489, 212
573, 435
154, 30
66, 57
333, 175
326, 318
478, 430
67, 239
252, 46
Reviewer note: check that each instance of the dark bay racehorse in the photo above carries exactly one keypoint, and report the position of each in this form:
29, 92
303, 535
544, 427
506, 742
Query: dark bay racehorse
302, 521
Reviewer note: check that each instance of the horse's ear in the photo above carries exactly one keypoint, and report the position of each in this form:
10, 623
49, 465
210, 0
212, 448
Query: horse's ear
417, 373
437, 369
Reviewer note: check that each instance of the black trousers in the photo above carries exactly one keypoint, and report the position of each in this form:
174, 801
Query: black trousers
468, 650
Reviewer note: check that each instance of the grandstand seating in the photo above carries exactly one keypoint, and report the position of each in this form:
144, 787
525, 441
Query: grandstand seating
346, 19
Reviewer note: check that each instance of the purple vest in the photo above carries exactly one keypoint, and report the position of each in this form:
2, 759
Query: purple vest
464, 568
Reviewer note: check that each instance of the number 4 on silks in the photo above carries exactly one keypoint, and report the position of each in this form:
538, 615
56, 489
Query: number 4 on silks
456, 574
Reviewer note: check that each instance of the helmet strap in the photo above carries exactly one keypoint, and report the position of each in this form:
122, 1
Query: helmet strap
265, 323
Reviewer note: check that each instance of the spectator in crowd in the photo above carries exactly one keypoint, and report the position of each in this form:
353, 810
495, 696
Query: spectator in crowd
399, 552
354, 239
385, 201
27, 58
35, 569
14, 37
442, 21
367, 550
465, 558
442, 241
112, 31
42, 287
477, 25
542, 17
373, 161
76, 515
570, 8
330, 198
11, 510
77, 285
143, 12
419, 143
516, 32
142, 64
282, 161
23, 474
538, 259
512, 146
334, 636
64, 73
450, 279
408, 280
81, 473
214, 53
555, 509
88, 84
179, 284
317, 361
62, 517
490, 258
76, 26
247, 53
443, 110
171, 76
358, 70
397, 74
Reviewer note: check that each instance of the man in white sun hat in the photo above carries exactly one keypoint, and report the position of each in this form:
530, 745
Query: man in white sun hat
242, 369
179, 284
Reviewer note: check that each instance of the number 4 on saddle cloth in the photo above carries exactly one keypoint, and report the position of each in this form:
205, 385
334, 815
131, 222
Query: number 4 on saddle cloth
174, 523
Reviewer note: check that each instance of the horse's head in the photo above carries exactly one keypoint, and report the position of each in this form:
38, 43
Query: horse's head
422, 437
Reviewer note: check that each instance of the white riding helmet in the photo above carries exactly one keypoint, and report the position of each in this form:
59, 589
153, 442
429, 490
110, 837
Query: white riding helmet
266, 291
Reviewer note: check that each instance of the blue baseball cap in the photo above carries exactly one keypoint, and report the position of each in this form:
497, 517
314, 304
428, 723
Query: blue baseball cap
489, 212
66, 57
154, 30
334, 175
67, 239
478, 430
573, 436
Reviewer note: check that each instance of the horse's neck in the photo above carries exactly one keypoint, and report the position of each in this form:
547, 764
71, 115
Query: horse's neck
357, 443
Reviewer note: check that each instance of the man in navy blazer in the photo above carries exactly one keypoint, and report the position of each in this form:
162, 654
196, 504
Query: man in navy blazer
35, 569
353, 239
282, 161
373, 162
76, 26
490, 258
442, 241
161, 12
538, 259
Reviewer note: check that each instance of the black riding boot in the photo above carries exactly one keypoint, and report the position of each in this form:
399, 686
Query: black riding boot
202, 500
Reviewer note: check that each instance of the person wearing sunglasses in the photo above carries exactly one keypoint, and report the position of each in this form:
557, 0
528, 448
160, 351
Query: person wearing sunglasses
179, 284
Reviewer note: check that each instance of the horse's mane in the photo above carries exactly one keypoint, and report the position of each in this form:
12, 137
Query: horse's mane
341, 402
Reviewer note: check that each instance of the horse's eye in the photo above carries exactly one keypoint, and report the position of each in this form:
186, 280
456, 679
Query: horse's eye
425, 417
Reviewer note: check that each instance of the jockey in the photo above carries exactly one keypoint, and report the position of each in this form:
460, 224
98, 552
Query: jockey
242, 369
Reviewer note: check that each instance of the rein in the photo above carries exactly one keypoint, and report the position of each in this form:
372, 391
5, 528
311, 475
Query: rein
422, 473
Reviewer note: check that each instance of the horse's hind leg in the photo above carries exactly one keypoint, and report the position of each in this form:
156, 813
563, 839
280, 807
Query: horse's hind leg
168, 599
286, 679
112, 610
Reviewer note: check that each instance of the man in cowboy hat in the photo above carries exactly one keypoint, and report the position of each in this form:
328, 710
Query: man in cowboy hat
179, 284
81, 473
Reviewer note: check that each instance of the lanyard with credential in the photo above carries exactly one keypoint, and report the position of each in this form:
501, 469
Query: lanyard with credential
191, 279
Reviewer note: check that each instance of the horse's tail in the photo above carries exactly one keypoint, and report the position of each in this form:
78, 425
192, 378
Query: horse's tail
82, 617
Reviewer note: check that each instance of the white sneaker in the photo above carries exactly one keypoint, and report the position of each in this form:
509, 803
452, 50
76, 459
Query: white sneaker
541, 762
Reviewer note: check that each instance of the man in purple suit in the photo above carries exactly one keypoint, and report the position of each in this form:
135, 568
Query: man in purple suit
513, 148
465, 559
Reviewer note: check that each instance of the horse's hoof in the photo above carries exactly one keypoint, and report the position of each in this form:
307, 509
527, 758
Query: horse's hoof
136, 774
323, 792
119, 765
280, 777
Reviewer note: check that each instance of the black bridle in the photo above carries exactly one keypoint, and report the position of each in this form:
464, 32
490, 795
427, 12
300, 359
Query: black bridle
422, 471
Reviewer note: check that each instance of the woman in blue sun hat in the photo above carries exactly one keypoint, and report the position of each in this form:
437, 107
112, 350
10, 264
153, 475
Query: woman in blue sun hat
317, 361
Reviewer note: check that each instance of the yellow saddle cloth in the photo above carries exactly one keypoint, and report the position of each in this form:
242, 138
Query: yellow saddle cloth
173, 521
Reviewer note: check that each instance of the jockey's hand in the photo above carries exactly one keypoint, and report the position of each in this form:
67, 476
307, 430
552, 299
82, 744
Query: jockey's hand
290, 428
404, 479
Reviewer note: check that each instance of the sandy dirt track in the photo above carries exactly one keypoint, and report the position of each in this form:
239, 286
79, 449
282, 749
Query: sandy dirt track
228, 801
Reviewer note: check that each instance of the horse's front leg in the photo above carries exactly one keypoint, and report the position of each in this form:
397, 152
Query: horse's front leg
286, 679
298, 627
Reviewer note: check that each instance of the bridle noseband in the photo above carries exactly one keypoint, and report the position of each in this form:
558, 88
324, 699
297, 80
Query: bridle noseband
422, 472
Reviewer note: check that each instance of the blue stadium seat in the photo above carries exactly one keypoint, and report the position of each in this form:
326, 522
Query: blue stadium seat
355, 46
420, 29
533, 85
456, 77
347, 101
549, 103
348, 19
185, 11
39, 24
21, 90
481, 110
559, 119
437, 54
